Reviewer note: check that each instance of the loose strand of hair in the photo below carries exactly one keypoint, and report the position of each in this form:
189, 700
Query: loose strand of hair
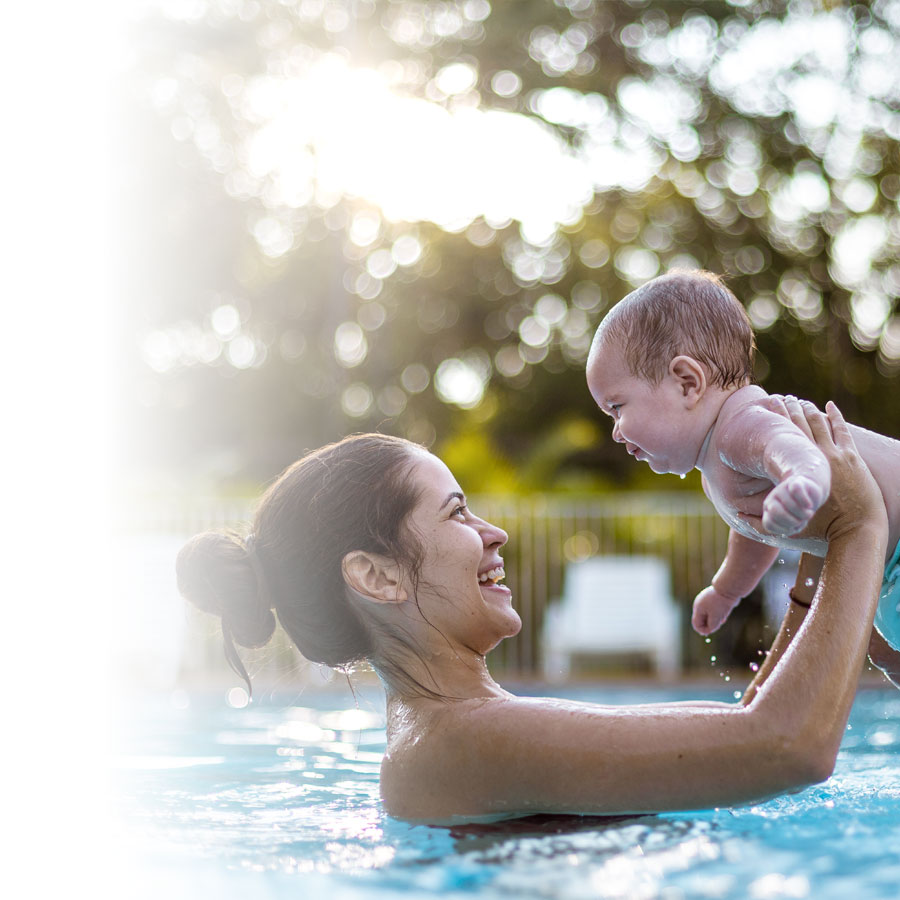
234, 659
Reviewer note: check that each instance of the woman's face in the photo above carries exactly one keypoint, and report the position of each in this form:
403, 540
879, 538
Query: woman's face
459, 589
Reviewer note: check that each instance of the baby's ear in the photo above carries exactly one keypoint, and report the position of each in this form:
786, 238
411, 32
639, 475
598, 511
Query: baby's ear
690, 377
373, 577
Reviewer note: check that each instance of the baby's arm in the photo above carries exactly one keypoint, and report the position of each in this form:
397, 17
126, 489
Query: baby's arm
765, 444
746, 561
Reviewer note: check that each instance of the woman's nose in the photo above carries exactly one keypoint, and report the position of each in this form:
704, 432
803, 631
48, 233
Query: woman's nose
493, 535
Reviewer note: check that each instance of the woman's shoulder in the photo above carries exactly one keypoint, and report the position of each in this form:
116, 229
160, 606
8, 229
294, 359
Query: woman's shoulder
445, 757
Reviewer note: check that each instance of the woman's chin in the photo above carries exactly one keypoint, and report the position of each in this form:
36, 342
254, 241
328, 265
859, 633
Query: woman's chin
512, 622
497, 599
517, 624
511, 626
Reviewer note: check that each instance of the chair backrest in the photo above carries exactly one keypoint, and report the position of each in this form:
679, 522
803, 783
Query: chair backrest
620, 594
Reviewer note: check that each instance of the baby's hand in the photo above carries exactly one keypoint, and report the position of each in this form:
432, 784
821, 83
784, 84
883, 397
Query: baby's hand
711, 609
791, 504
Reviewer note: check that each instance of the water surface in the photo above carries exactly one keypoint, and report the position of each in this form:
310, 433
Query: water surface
280, 799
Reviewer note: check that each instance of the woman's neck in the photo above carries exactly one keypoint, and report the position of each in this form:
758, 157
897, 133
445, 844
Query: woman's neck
443, 674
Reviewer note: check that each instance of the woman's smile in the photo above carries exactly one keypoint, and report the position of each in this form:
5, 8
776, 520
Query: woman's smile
492, 587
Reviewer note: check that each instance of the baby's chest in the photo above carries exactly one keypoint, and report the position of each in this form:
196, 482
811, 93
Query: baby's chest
733, 492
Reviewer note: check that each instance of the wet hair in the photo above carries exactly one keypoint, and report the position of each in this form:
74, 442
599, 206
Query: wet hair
355, 494
689, 313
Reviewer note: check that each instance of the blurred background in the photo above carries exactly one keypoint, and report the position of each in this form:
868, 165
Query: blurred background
408, 216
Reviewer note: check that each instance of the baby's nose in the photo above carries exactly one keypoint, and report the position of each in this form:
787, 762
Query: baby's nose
617, 435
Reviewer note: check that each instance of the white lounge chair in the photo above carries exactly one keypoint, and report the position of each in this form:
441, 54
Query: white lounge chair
613, 605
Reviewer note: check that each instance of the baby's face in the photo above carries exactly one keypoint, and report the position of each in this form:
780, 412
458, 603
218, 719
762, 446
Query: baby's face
652, 421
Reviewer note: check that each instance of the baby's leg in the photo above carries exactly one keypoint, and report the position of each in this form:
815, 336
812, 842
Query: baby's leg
711, 609
746, 561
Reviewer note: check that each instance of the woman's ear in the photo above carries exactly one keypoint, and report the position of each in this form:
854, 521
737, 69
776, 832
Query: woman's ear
690, 377
373, 577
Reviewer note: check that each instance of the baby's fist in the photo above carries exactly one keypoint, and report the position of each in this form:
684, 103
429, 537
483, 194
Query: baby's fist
711, 609
791, 504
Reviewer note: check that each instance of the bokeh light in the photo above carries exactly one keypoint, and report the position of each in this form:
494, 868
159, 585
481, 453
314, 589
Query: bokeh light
424, 205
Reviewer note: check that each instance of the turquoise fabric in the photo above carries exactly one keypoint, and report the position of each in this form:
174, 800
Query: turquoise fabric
887, 615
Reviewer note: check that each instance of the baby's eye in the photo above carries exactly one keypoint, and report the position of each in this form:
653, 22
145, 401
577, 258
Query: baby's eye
614, 409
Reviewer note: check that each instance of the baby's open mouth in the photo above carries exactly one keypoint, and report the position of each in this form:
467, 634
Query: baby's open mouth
492, 576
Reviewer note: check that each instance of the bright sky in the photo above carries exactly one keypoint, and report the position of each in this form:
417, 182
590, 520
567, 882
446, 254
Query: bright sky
347, 132
337, 131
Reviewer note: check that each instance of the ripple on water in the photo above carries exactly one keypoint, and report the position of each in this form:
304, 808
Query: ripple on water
293, 796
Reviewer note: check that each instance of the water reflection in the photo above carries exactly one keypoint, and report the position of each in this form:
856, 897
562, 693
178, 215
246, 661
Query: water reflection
292, 791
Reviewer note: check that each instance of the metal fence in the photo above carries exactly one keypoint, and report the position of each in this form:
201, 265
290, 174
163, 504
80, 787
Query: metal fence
545, 533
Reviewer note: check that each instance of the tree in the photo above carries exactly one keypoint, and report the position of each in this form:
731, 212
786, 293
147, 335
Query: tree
272, 306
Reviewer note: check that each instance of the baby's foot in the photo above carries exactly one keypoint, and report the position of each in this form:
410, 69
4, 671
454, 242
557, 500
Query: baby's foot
711, 609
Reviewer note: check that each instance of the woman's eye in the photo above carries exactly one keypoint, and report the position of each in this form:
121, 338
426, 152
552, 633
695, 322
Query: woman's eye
459, 511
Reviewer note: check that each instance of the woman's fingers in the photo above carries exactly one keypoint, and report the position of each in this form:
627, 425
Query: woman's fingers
775, 403
855, 497
839, 427
797, 414
818, 425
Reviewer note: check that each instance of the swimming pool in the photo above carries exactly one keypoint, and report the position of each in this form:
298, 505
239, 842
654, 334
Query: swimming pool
280, 799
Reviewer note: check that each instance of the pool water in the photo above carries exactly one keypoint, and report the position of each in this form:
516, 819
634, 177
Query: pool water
280, 799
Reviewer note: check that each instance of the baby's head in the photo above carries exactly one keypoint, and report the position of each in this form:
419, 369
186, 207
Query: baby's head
675, 347
688, 313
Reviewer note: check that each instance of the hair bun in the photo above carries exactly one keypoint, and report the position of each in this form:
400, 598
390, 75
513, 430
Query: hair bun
216, 574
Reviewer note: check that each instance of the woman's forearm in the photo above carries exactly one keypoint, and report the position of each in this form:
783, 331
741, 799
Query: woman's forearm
790, 625
809, 691
803, 592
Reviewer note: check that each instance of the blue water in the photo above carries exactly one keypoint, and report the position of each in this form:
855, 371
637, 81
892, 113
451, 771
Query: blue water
280, 799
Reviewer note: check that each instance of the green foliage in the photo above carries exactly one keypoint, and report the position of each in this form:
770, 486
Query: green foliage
478, 465
769, 136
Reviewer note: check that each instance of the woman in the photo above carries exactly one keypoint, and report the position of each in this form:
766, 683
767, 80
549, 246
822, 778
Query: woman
366, 550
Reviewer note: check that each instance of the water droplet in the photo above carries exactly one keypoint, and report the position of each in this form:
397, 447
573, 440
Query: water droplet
712, 659
728, 678
754, 667
808, 582
780, 562
708, 640
682, 476
737, 695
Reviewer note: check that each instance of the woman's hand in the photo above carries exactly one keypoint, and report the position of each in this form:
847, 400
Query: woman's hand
855, 499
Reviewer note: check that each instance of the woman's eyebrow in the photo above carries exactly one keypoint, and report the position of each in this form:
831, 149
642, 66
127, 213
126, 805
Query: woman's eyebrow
454, 495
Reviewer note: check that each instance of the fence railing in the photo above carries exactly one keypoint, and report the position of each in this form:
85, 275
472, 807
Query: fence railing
545, 533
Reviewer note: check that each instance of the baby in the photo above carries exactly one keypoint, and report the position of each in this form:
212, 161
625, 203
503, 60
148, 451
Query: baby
672, 364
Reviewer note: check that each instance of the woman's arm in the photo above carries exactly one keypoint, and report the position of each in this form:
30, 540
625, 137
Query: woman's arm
514, 756
802, 594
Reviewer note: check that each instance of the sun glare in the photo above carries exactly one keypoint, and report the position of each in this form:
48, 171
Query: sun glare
342, 131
